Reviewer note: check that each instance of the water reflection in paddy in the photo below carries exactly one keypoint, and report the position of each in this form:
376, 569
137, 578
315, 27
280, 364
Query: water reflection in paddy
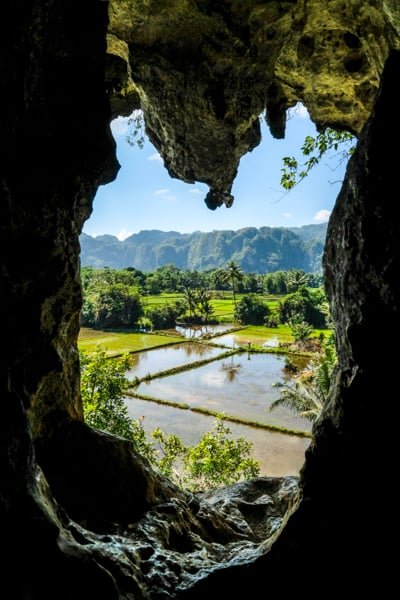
233, 340
240, 385
196, 331
277, 453
162, 359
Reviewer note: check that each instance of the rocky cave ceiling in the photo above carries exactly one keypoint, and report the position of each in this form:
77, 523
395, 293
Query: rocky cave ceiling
204, 71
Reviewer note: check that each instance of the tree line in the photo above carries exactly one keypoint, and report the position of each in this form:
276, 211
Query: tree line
117, 298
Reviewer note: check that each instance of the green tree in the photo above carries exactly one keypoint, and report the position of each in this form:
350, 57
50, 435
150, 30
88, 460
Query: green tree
218, 279
165, 317
276, 283
152, 285
250, 310
111, 298
303, 306
206, 310
169, 278
136, 129
233, 274
190, 297
103, 386
170, 450
218, 460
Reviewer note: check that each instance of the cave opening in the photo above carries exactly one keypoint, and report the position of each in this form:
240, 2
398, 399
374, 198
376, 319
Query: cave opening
144, 197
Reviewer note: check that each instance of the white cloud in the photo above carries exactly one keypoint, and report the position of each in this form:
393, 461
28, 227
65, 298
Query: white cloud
154, 156
302, 112
322, 215
123, 234
299, 111
119, 126
195, 191
164, 194
287, 215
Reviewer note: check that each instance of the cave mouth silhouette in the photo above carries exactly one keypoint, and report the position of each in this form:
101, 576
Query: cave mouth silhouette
56, 103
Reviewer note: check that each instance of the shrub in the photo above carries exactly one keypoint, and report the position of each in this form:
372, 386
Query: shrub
303, 306
301, 331
250, 310
163, 317
112, 305
218, 459
271, 321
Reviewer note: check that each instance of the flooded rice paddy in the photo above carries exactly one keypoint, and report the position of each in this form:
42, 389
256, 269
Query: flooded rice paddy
232, 340
279, 454
240, 385
169, 357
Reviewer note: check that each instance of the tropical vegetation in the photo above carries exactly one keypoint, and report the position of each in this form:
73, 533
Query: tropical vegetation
218, 459
308, 392
121, 299
313, 150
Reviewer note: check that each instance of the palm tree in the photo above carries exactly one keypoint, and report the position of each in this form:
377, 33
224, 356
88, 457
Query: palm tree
296, 279
308, 394
206, 310
301, 398
191, 301
233, 273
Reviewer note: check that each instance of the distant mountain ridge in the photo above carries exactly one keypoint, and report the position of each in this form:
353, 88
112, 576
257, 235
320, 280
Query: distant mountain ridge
259, 250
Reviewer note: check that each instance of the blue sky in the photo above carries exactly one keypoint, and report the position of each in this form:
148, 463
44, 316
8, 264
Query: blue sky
144, 196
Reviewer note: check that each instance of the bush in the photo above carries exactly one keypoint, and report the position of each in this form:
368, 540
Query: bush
250, 310
113, 305
218, 460
303, 306
301, 331
271, 321
165, 317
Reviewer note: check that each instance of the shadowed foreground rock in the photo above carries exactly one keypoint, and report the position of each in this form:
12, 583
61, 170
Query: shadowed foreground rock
81, 515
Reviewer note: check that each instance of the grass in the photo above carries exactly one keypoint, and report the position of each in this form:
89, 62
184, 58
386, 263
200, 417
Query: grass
223, 307
229, 418
161, 299
118, 342
259, 334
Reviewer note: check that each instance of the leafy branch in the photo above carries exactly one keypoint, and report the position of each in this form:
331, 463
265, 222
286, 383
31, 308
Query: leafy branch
314, 148
136, 129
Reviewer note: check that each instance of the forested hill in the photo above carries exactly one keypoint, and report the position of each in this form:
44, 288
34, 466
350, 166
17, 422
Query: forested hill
255, 250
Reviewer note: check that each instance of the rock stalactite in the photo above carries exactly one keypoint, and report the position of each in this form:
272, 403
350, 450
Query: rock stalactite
74, 526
